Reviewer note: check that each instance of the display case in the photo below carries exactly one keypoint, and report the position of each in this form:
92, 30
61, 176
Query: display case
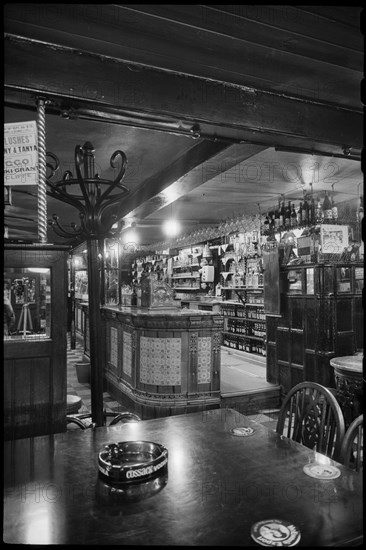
321, 317
241, 287
245, 322
186, 274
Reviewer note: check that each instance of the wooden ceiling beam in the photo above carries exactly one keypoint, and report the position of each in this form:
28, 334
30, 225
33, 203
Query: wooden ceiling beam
219, 109
282, 48
168, 186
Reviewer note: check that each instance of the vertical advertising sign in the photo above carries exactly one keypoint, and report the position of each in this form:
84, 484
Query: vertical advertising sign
20, 153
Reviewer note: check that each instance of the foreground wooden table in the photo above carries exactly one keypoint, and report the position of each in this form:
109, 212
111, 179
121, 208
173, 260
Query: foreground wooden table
217, 486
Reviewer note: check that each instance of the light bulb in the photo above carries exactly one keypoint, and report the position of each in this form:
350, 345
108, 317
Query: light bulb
171, 228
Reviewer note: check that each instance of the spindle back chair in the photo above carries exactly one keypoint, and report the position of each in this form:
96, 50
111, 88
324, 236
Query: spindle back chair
352, 446
311, 415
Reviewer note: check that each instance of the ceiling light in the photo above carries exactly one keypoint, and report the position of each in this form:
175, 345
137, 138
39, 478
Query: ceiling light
171, 228
130, 237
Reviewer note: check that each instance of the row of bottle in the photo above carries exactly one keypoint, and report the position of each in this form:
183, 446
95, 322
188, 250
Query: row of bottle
189, 282
255, 314
247, 313
242, 344
250, 329
307, 213
252, 280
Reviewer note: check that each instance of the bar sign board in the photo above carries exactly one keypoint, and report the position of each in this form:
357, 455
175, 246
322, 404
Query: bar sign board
20, 153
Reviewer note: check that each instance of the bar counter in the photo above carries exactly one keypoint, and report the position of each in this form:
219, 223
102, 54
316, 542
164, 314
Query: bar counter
216, 487
161, 362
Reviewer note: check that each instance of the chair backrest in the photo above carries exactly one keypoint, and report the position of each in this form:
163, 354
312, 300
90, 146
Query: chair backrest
311, 415
352, 445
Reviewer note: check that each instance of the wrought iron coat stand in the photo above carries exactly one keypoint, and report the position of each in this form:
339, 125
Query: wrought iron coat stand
91, 203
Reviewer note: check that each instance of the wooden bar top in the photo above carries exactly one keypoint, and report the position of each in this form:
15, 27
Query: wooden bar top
161, 318
139, 311
217, 486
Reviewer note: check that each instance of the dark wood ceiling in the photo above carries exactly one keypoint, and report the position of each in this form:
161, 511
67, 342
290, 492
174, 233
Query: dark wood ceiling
219, 109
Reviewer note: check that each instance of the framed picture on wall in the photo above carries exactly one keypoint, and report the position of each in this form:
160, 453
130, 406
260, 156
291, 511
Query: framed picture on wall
333, 238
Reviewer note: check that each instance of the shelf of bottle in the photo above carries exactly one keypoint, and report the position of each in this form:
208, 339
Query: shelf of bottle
313, 224
185, 266
259, 287
243, 319
186, 288
233, 288
185, 276
240, 335
228, 287
230, 316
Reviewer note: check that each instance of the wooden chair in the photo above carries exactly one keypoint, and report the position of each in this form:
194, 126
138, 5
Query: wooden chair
352, 445
83, 420
311, 415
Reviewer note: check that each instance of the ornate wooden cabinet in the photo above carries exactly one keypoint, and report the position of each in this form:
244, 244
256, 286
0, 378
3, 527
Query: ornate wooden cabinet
35, 282
321, 317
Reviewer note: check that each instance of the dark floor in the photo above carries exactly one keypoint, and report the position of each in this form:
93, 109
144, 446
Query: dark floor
240, 372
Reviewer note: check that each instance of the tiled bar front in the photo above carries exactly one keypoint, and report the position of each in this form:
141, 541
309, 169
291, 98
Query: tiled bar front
161, 363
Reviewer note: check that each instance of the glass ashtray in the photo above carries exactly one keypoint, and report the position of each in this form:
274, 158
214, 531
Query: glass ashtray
131, 461
113, 497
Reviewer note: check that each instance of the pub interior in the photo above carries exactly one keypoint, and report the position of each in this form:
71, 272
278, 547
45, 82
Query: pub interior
183, 184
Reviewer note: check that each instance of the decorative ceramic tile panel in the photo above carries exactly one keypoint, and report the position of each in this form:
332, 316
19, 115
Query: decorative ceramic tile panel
204, 360
127, 353
160, 361
113, 357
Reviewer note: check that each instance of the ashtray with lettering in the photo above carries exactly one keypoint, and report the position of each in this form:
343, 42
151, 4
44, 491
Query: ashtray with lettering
113, 497
131, 461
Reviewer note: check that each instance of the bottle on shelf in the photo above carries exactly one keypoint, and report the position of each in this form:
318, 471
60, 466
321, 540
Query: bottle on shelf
306, 212
282, 214
134, 297
293, 218
288, 215
277, 217
360, 213
318, 211
272, 223
327, 208
266, 224
312, 212
299, 216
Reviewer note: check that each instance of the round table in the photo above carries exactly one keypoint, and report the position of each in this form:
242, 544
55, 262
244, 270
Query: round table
349, 385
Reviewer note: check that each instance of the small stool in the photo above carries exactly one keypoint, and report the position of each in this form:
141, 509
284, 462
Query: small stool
73, 404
